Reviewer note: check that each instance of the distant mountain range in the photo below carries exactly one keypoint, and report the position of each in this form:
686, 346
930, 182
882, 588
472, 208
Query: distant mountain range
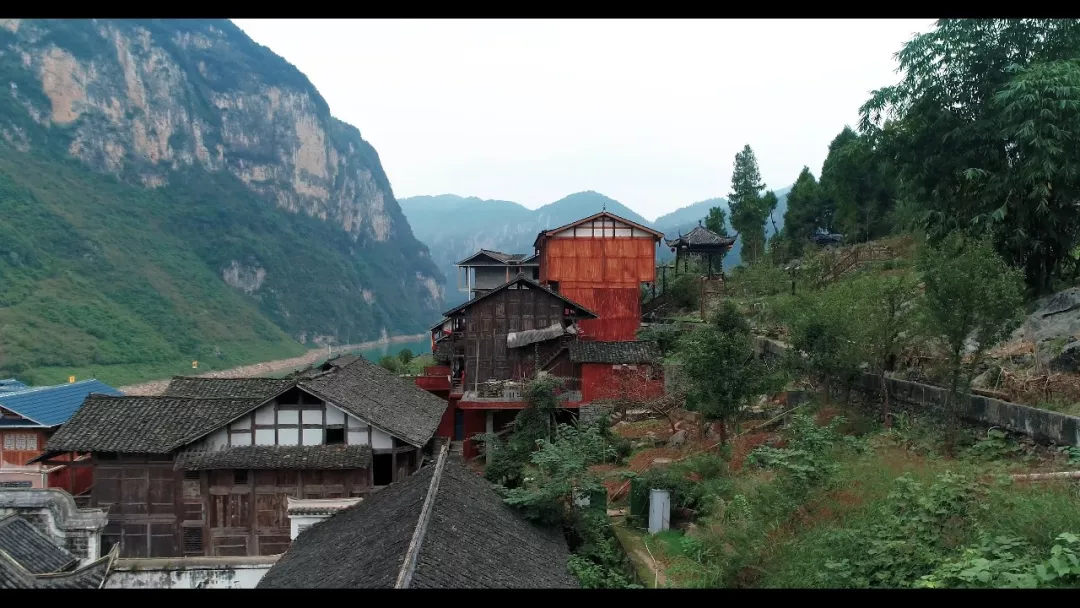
453, 227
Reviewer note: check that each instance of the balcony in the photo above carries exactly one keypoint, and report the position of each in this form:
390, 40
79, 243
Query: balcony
511, 391
436, 378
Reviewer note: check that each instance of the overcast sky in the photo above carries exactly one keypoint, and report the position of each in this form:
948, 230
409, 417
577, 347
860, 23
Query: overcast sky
648, 112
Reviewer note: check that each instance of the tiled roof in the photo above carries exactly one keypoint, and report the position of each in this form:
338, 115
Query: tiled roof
505, 258
530, 283
53, 405
10, 385
226, 388
278, 457
701, 236
381, 398
465, 536
143, 425
342, 360
629, 353
92, 576
31, 548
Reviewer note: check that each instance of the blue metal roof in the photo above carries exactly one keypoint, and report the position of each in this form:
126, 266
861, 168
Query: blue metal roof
9, 385
53, 405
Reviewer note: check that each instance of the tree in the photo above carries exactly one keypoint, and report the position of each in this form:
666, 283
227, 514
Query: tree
856, 189
886, 315
405, 356
983, 133
748, 212
390, 363
824, 334
721, 369
972, 300
806, 213
716, 221
532, 424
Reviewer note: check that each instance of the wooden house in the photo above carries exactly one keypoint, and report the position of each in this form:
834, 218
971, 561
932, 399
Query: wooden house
485, 270
629, 370
495, 342
207, 468
28, 417
601, 261
442, 528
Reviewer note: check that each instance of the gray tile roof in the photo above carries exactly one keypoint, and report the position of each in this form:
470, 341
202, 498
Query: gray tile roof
701, 236
143, 425
585, 312
382, 398
92, 576
278, 457
468, 538
628, 353
226, 388
31, 548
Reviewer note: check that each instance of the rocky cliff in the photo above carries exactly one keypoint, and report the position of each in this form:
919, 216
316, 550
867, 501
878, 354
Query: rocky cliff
284, 203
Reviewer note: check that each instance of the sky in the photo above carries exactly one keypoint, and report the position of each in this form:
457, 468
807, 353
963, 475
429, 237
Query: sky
648, 112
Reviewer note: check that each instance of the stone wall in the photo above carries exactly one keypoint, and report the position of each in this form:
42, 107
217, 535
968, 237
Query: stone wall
189, 573
54, 512
1042, 425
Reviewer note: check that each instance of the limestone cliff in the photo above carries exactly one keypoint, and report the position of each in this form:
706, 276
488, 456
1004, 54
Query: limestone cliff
176, 106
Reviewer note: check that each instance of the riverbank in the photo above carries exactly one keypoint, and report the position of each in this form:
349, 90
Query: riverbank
156, 387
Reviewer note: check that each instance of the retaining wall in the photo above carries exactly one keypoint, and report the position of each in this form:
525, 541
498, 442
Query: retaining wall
1042, 425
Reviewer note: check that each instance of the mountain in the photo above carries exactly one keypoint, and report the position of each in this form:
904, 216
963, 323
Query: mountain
454, 227
172, 190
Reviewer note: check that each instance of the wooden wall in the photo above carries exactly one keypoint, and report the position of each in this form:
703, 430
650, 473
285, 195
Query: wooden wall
605, 276
605, 381
19, 446
516, 308
246, 511
157, 512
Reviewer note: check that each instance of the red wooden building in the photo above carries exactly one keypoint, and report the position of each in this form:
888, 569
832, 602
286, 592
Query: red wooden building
627, 370
601, 262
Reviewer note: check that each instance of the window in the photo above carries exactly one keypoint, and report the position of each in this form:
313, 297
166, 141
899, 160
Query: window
193, 541
335, 435
240, 477
191, 475
20, 441
301, 527
553, 286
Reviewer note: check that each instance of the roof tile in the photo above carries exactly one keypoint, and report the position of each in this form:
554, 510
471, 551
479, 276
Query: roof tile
278, 457
627, 353
472, 540
31, 548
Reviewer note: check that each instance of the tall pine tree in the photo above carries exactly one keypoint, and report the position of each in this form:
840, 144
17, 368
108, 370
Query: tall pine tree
748, 208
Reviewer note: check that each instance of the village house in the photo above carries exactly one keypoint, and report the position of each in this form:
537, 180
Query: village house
628, 370
503, 338
28, 417
442, 528
603, 262
485, 270
590, 279
46, 542
207, 468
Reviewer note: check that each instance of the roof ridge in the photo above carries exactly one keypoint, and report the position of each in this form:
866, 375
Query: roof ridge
408, 566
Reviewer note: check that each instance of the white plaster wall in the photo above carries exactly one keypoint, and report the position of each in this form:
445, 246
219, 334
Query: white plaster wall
602, 228
218, 440
299, 523
380, 440
165, 577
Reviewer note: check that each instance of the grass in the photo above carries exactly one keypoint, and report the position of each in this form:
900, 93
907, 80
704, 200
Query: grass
755, 527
